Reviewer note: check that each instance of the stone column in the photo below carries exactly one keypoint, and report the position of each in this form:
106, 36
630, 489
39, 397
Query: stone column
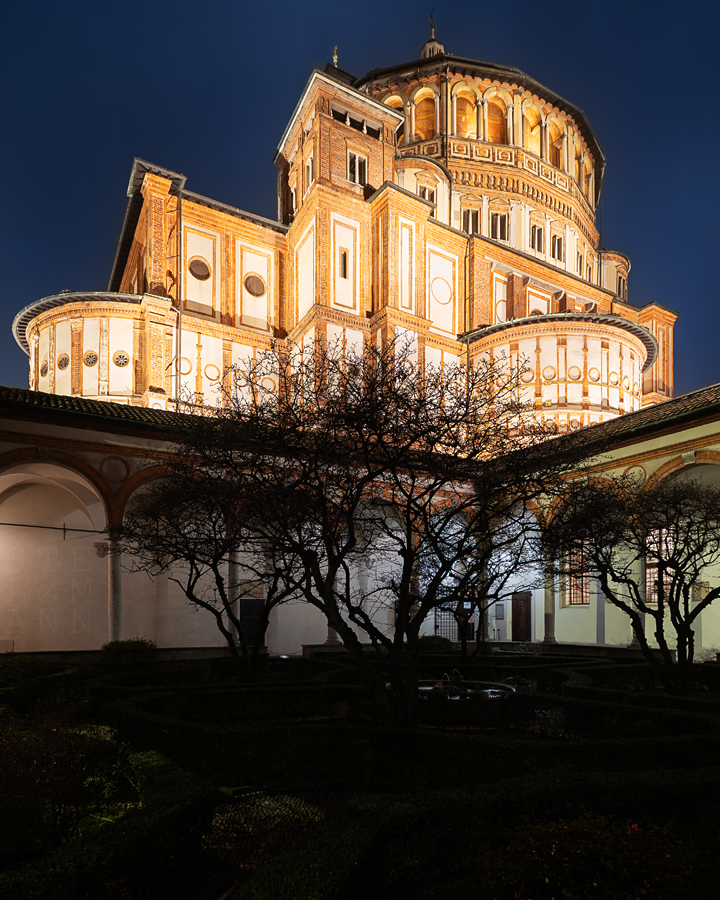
406, 123
543, 138
484, 120
332, 637
115, 598
437, 114
549, 637
478, 118
454, 114
564, 153
233, 592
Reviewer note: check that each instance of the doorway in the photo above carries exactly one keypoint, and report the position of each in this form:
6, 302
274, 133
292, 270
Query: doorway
521, 607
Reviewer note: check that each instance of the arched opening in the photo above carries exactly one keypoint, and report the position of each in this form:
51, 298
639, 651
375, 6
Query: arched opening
395, 102
555, 143
425, 119
497, 122
533, 130
466, 115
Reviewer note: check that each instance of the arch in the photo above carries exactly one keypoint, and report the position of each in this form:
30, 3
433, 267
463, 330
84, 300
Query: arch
555, 134
465, 113
533, 129
425, 117
678, 464
496, 121
135, 483
31, 458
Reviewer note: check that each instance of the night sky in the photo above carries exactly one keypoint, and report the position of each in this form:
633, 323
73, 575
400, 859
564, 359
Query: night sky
206, 89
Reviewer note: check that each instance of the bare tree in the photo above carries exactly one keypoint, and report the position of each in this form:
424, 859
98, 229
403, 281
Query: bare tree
189, 527
652, 547
357, 469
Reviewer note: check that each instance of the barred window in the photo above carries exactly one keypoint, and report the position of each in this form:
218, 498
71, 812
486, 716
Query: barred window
660, 545
578, 588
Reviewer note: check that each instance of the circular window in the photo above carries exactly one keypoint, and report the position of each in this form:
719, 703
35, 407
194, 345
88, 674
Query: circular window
90, 358
121, 358
63, 361
255, 285
548, 373
574, 373
199, 268
594, 375
44, 368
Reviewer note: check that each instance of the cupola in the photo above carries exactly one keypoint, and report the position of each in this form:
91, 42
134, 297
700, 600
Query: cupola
432, 47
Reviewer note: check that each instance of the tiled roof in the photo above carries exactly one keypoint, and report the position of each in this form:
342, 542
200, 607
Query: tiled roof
680, 410
23, 400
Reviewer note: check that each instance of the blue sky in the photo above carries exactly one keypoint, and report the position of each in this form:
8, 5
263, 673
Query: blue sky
207, 88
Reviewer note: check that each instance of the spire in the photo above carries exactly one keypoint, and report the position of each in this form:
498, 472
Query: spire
431, 47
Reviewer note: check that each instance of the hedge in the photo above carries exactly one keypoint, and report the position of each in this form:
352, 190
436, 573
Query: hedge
46, 690
330, 861
144, 854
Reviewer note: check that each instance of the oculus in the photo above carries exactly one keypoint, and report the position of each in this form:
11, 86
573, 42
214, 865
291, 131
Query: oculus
594, 375
90, 358
121, 358
441, 291
44, 368
255, 286
527, 376
574, 373
63, 361
212, 373
199, 268
548, 373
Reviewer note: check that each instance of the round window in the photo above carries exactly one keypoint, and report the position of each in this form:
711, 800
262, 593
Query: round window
44, 368
255, 285
199, 268
90, 358
121, 358
63, 361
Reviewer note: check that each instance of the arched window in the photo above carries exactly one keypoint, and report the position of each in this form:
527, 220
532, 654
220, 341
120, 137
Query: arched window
533, 130
497, 123
425, 119
396, 103
466, 116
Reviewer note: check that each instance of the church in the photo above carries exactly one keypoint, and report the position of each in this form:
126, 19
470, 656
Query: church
447, 202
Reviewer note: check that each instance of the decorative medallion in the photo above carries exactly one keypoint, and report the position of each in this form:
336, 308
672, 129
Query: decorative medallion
594, 375
114, 469
255, 286
574, 374
626, 383
268, 384
90, 358
548, 373
121, 358
527, 376
185, 366
614, 378
575, 424
212, 373
441, 291
44, 368
63, 361
199, 268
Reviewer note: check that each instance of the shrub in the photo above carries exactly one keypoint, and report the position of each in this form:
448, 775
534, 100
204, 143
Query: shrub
18, 667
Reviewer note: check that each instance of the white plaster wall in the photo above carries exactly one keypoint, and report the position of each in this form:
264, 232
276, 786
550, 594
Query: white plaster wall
91, 341
305, 267
44, 356
294, 624
121, 339
254, 312
54, 587
63, 344
200, 296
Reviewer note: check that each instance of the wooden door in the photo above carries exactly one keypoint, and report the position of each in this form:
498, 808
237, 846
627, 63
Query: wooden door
521, 605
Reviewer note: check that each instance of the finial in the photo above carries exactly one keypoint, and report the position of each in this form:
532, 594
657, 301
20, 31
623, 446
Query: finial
335, 55
432, 27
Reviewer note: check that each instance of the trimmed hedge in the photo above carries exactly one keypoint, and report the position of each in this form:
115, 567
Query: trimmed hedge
35, 693
146, 853
337, 859
370, 755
